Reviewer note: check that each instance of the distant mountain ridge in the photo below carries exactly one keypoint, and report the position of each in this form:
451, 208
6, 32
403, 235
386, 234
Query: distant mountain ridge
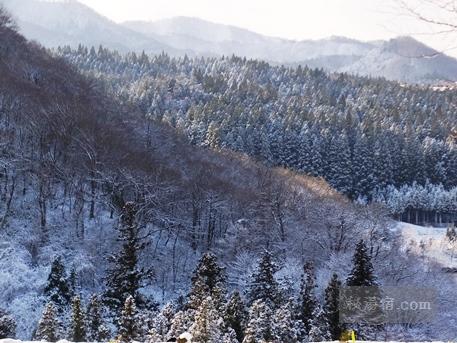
57, 23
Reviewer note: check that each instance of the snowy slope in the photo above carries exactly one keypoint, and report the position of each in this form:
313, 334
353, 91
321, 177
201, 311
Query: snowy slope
430, 243
65, 341
405, 59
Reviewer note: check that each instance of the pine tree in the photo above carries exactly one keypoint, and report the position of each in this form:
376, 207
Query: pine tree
229, 336
235, 315
259, 328
308, 301
362, 168
263, 285
125, 277
208, 324
128, 323
208, 280
97, 331
48, 326
331, 307
161, 324
7, 325
73, 282
285, 328
182, 321
57, 288
319, 329
362, 273
78, 328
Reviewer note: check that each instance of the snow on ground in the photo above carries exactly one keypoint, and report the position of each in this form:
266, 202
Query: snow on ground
64, 341
429, 242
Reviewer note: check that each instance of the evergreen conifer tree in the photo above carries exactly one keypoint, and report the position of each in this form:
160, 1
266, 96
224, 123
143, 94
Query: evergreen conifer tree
235, 315
362, 273
128, 323
263, 283
331, 307
161, 324
78, 327
48, 326
259, 328
285, 327
230, 336
208, 280
319, 329
208, 324
7, 325
57, 288
97, 331
182, 321
125, 277
308, 301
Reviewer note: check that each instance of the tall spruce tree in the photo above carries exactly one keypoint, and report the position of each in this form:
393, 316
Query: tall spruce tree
208, 280
263, 285
78, 327
208, 324
285, 327
182, 321
259, 328
57, 289
97, 331
48, 326
161, 324
125, 277
319, 329
362, 273
7, 325
331, 307
128, 326
235, 315
308, 301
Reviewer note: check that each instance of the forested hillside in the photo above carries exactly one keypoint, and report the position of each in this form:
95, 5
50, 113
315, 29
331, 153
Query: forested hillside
100, 202
361, 135
108, 213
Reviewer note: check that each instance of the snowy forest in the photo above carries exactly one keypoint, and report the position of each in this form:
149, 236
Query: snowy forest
142, 196
361, 135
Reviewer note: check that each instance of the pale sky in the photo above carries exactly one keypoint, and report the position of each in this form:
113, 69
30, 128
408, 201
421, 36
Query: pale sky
294, 19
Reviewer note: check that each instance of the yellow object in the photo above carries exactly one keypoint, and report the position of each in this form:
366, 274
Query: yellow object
347, 336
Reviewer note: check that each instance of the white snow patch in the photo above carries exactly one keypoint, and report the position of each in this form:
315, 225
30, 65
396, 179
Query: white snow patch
430, 243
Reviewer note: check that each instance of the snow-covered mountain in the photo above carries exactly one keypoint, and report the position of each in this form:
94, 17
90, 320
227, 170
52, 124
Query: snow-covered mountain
405, 59
68, 22
207, 38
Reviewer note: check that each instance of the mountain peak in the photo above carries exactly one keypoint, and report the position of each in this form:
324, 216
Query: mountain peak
408, 46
